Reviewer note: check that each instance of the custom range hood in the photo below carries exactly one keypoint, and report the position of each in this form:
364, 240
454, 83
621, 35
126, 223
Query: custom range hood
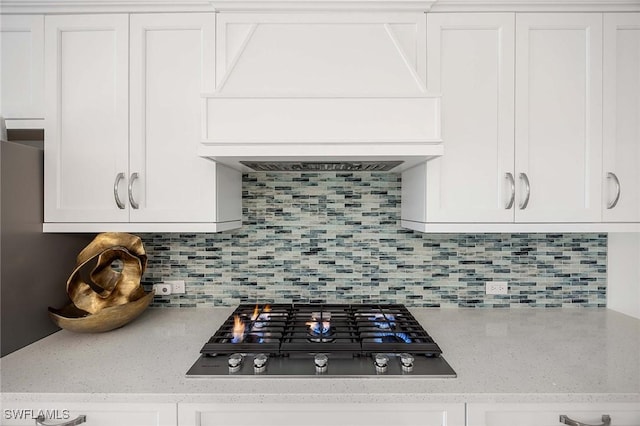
321, 91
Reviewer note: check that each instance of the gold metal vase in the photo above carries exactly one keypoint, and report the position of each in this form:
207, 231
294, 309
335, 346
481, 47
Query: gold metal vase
111, 295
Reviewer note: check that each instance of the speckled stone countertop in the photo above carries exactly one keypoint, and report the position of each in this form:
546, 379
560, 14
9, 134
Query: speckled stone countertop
533, 355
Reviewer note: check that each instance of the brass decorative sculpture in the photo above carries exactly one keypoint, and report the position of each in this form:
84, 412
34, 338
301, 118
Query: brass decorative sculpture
113, 295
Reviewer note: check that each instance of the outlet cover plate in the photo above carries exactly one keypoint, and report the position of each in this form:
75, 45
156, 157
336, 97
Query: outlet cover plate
496, 287
177, 286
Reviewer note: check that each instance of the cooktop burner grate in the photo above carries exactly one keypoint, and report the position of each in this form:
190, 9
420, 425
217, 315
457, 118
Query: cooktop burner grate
321, 328
392, 328
257, 329
288, 330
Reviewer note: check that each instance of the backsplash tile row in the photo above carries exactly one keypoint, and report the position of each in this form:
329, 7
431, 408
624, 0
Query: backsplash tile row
335, 238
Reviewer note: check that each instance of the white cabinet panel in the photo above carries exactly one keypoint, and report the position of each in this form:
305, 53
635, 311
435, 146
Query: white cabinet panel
172, 62
321, 414
621, 119
22, 65
97, 414
529, 414
86, 129
313, 79
470, 61
558, 121
320, 54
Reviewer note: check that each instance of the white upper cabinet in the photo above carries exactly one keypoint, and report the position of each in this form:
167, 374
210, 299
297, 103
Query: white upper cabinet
172, 63
470, 61
621, 120
522, 131
558, 121
21, 67
87, 114
123, 126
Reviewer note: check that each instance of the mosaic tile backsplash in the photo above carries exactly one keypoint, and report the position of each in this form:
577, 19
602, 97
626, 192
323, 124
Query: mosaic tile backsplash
336, 238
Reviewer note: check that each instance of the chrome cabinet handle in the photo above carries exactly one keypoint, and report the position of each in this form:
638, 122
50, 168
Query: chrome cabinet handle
606, 421
132, 179
613, 176
523, 177
512, 184
119, 202
78, 420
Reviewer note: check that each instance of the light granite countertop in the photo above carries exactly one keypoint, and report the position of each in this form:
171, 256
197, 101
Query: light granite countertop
532, 355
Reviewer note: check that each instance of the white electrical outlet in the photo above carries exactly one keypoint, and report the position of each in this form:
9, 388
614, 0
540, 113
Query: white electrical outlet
162, 289
496, 287
177, 286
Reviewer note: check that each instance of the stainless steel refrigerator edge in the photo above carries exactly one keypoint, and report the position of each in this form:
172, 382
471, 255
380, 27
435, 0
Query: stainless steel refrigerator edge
33, 266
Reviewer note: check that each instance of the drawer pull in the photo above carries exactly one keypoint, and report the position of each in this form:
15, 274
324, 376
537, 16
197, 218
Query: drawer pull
606, 421
512, 185
524, 178
116, 195
617, 182
78, 420
132, 179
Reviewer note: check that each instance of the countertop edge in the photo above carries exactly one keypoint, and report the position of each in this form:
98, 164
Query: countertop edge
342, 398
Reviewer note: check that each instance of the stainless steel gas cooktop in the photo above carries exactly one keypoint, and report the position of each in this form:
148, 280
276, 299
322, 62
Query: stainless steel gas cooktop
323, 341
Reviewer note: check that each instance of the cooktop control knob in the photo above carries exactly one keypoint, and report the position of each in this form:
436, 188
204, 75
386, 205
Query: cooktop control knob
381, 361
235, 362
407, 361
321, 361
260, 363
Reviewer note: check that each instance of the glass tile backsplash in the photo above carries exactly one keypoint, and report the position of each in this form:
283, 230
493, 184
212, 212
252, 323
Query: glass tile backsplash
336, 238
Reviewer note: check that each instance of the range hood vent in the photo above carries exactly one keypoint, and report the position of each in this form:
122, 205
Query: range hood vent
320, 92
321, 166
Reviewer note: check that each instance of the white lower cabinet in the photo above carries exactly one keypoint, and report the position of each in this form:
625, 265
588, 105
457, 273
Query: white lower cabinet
321, 414
534, 414
96, 414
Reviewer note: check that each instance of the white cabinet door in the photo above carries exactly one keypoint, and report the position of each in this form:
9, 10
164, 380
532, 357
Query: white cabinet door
621, 119
22, 50
558, 122
172, 63
470, 62
529, 414
321, 414
96, 414
86, 118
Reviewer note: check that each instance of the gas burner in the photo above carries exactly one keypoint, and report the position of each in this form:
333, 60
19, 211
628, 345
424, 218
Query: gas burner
382, 321
320, 330
260, 318
392, 338
238, 330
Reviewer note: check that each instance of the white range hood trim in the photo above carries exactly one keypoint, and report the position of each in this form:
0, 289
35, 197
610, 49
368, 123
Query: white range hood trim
284, 136
411, 154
